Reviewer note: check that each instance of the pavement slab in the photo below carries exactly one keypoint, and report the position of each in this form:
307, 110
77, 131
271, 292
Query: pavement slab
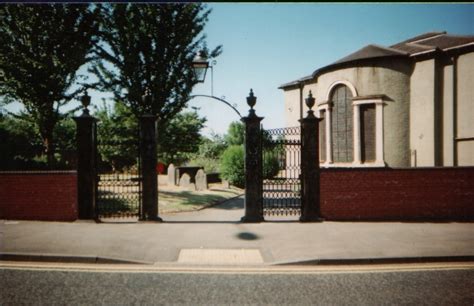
218, 228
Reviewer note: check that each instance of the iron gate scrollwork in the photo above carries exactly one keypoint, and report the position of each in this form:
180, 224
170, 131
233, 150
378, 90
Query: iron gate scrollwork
119, 183
281, 162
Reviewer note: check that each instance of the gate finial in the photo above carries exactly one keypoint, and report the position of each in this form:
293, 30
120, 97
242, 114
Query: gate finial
147, 97
85, 101
310, 101
251, 99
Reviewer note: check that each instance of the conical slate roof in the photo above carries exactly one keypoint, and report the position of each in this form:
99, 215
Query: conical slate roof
421, 44
432, 41
370, 51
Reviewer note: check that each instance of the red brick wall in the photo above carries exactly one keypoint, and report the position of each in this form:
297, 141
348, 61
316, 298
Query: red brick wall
38, 195
398, 194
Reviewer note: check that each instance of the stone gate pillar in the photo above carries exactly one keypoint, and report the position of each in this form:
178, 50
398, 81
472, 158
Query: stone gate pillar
310, 208
86, 161
253, 164
148, 168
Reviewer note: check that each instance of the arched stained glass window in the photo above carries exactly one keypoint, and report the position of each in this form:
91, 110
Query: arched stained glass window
367, 132
322, 137
341, 126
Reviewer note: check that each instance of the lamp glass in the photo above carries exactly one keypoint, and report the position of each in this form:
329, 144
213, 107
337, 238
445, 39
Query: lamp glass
200, 69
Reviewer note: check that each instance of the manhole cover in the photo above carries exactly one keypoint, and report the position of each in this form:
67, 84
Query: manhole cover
220, 256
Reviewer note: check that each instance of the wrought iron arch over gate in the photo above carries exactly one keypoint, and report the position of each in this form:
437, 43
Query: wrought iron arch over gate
281, 169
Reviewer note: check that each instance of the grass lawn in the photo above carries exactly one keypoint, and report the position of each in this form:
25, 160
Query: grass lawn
173, 199
124, 200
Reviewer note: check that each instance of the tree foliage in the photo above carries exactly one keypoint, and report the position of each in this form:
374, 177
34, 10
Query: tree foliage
150, 46
235, 134
135, 47
21, 147
233, 158
42, 48
180, 137
212, 147
118, 137
209, 153
232, 165
117, 133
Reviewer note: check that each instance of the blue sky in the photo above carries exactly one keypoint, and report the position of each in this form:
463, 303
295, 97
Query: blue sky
266, 45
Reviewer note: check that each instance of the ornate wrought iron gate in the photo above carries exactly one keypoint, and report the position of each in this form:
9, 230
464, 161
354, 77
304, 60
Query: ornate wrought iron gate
281, 188
118, 183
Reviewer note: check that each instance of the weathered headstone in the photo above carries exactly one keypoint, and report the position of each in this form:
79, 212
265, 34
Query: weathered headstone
185, 182
201, 180
171, 175
225, 184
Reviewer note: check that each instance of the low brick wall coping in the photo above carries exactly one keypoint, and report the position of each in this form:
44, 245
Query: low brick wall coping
40, 172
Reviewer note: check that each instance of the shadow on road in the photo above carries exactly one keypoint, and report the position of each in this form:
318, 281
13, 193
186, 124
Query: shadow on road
247, 236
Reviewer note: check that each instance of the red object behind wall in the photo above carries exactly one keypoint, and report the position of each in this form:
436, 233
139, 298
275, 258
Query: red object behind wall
38, 195
160, 168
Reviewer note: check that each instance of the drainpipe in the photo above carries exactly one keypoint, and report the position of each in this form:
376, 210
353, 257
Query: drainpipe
455, 110
301, 100
439, 61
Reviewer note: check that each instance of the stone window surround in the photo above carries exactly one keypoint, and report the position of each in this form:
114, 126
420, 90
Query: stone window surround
326, 106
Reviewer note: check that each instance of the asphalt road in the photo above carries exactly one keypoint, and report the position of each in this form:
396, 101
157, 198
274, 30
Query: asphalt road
68, 287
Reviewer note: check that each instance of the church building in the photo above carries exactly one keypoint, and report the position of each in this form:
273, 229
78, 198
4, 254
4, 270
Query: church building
407, 105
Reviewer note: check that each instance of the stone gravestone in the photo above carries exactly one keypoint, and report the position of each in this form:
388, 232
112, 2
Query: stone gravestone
201, 180
225, 184
171, 175
185, 182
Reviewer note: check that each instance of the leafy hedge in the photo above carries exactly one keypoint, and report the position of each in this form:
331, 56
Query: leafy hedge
233, 167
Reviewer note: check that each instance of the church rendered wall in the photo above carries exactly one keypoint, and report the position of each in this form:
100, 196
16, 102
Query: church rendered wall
292, 107
465, 109
392, 79
422, 114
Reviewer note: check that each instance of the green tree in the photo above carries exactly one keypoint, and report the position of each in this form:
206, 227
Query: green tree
42, 47
20, 142
209, 153
232, 165
235, 133
232, 161
212, 147
117, 137
21, 145
180, 138
150, 46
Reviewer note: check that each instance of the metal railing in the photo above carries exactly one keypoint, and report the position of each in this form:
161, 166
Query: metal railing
281, 162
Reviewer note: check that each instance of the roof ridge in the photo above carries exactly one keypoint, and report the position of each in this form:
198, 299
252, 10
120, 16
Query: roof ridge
428, 38
389, 49
455, 35
417, 38
427, 47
